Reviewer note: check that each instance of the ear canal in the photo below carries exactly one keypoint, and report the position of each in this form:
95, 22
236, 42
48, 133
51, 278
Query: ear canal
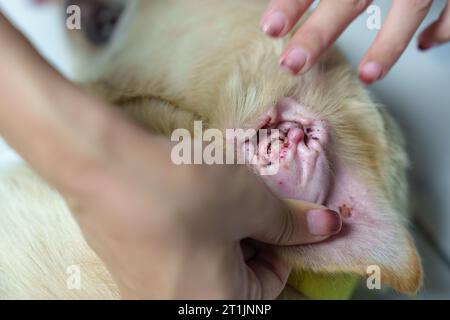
373, 236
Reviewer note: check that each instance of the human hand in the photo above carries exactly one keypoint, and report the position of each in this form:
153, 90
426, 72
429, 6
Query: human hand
163, 231
331, 18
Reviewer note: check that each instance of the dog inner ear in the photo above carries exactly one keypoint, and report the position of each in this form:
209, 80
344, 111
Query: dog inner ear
309, 169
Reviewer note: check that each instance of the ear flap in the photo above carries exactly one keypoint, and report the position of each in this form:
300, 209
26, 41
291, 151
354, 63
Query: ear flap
372, 235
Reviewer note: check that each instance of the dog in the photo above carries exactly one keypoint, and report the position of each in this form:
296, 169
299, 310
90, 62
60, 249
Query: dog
169, 63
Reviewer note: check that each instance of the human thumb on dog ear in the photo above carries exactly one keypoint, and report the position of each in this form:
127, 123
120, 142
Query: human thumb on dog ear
291, 222
297, 222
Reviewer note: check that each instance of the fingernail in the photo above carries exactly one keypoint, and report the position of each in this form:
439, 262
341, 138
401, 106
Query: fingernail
274, 24
371, 72
323, 222
294, 60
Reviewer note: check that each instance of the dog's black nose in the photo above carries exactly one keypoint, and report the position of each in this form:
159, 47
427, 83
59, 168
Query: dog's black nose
99, 19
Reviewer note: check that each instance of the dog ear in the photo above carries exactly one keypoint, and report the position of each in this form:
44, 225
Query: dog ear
372, 235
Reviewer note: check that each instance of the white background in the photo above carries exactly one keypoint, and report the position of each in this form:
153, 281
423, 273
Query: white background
417, 93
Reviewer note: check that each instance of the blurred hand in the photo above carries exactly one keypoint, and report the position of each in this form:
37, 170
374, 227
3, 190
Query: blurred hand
163, 231
331, 18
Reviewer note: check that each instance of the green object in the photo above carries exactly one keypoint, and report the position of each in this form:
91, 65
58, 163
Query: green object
322, 286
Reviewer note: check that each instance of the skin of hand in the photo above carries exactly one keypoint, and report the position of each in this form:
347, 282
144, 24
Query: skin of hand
329, 20
163, 231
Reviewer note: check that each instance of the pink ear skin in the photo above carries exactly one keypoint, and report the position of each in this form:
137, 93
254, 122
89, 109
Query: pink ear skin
297, 153
372, 232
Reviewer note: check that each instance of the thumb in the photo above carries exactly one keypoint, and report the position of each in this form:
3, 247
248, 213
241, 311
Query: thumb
296, 222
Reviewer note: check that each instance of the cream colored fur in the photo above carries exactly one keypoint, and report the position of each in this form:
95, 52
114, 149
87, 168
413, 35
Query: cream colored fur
170, 63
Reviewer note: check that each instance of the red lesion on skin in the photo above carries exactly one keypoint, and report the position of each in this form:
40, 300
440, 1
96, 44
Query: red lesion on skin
345, 211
